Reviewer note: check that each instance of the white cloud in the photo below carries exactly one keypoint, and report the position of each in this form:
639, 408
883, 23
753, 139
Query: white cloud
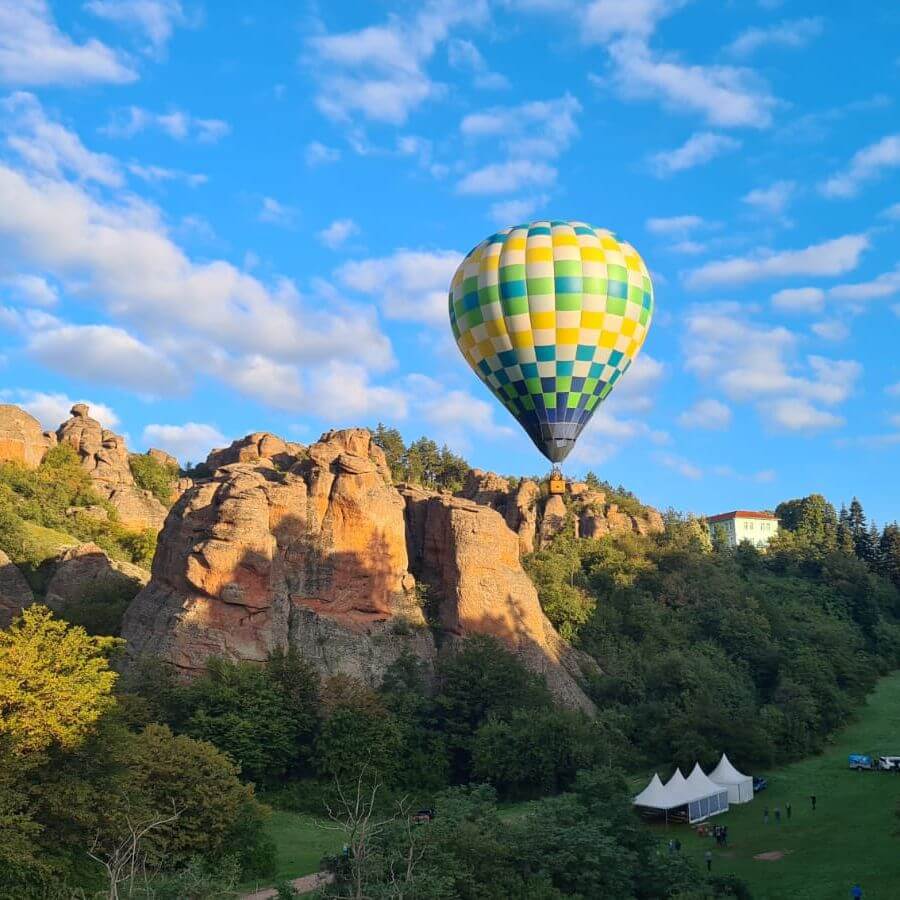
509, 212
49, 147
507, 177
104, 354
539, 128
338, 232
411, 284
726, 96
123, 257
31, 289
885, 285
805, 299
276, 384
603, 20
190, 441
834, 257
892, 212
699, 148
379, 71
794, 414
273, 212
679, 464
710, 414
464, 55
341, 393
176, 123
52, 409
893, 389
772, 200
154, 19
33, 51
159, 174
673, 225
755, 363
319, 154
792, 33
866, 165
831, 330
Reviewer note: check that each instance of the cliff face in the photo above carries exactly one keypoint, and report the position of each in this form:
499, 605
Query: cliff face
21, 438
105, 457
315, 548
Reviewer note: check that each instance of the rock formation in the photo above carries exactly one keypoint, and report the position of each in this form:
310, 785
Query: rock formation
105, 457
538, 518
21, 438
315, 548
86, 571
15, 594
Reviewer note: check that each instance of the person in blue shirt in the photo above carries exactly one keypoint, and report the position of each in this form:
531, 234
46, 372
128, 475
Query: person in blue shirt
856, 892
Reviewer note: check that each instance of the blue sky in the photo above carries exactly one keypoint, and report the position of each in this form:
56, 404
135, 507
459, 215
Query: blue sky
215, 221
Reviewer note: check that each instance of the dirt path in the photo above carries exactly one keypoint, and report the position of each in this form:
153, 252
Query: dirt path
305, 885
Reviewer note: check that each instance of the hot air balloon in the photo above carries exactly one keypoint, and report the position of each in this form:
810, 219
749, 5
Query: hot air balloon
550, 316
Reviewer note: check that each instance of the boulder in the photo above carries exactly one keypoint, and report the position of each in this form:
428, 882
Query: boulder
105, 457
21, 438
553, 519
259, 445
15, 594
163, 458
87, 571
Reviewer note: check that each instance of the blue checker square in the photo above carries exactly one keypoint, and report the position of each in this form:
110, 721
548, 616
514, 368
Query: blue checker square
545, 354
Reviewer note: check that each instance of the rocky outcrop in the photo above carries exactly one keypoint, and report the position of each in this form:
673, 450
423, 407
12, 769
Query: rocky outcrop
21, 438
15, 594
468, 557
315, 548
86, 572
262, 555
105, 457
537, 518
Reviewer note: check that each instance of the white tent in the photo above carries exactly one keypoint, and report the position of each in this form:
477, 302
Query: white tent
693, 799
740, 786
708, 798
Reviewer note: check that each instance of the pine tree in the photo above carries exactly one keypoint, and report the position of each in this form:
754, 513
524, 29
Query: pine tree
889, 548
844, 535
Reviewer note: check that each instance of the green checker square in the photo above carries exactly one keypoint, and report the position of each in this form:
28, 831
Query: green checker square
472, 318
590, 385
528, 403
533, 385
550, 401
514, 272
648, 288
635, 294
458, 308
594, 285
572, 399
510, 390
617, 273
644, 316
563, 383
592, 402
605, 392
537, 286
514, 306
488, 294
570, 267
568, 302
616, 305
470, 285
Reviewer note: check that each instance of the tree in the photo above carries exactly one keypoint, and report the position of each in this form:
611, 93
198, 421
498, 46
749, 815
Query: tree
55, 682
152, 475
391, 441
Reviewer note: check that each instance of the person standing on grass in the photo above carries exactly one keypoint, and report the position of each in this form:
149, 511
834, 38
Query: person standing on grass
708, 858
777, 815
677, 845
787, 809
812, 799
766, 816
856, 892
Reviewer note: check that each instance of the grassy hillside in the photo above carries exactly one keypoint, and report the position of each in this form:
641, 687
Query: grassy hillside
853, 835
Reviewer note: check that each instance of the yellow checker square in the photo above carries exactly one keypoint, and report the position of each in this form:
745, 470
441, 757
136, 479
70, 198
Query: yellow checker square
591, 253
608, 242
495, 327
541, 320
466, 341
628, 327
535, 254
521, 340
515, 243
608, 340
632, 348
592, 318
566, 336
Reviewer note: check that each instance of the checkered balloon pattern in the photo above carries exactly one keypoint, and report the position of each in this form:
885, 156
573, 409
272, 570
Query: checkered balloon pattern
550, 316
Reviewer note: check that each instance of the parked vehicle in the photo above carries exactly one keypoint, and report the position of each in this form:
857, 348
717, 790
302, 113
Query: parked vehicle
889, 763
860, 762
759, 784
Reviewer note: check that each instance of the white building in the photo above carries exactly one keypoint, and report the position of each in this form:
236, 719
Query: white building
729, 529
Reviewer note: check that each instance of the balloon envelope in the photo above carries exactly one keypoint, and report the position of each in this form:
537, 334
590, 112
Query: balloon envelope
550, 316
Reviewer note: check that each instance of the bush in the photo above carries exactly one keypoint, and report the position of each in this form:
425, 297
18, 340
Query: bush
154, 476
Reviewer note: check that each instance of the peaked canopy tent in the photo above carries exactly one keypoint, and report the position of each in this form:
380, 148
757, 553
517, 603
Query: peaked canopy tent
689, 799
740, 786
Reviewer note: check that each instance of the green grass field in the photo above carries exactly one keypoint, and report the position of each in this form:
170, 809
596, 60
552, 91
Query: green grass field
854, 835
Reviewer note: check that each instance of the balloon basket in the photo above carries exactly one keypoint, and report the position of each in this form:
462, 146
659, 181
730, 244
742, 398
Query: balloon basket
557, 483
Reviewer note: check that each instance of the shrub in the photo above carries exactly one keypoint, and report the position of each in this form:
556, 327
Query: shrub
152, 475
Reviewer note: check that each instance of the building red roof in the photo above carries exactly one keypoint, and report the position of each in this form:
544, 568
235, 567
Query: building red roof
741, 514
